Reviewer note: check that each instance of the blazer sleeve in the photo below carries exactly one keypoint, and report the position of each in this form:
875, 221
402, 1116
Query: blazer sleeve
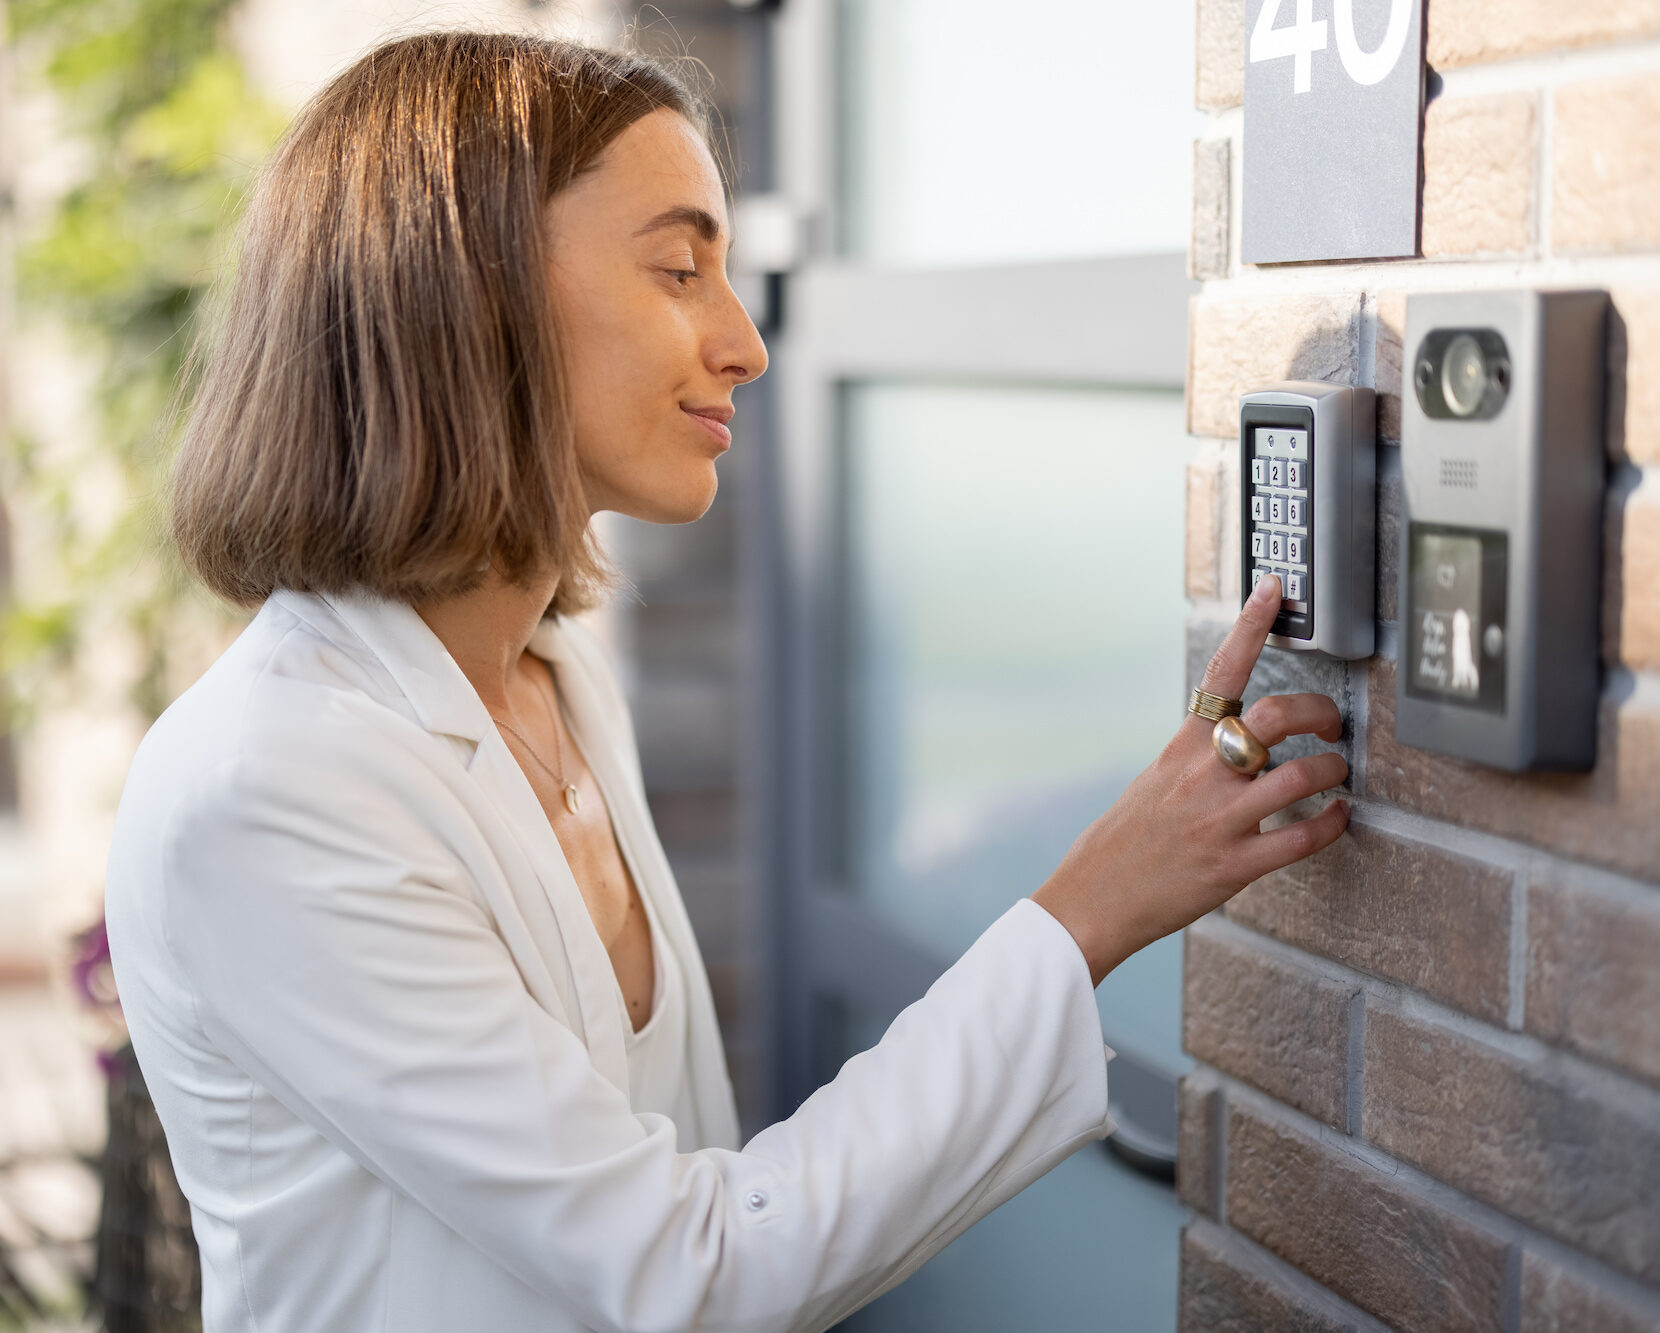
339, 957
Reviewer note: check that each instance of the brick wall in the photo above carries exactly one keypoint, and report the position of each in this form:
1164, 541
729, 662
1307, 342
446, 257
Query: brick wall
1428, 1083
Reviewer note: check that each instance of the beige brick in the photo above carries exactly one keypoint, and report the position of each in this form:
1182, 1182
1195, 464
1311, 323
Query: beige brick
1204, 527
1220, 76
1593, 971
1555, 1300
1606, 817
1363, 1234
1463, 32
1386, 362
1478, 175
1574, 1159
1631, 577
1278, 1027
1396, 908
1199, 1127
1605, 178
1238, 345
1227, 1289
1387, 593
1212, 186
1634, 376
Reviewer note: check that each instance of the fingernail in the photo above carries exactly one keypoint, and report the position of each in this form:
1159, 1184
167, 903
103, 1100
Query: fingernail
1263, 590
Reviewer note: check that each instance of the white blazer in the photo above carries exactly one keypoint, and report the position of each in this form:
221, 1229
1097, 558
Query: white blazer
384, 1039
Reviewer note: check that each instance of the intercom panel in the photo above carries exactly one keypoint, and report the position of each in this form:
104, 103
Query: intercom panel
1307, 480
1500, 544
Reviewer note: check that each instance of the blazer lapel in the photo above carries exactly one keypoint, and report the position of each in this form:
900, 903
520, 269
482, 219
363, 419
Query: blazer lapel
444, 702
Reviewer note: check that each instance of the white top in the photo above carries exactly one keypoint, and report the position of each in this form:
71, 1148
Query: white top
657, 1075
388, 1047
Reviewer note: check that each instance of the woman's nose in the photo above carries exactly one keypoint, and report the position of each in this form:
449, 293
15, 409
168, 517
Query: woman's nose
738, 350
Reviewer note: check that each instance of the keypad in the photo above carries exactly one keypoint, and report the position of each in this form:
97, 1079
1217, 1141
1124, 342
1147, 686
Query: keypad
1281, 475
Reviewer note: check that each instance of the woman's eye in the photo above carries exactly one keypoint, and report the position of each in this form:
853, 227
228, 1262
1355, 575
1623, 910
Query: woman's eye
682, 275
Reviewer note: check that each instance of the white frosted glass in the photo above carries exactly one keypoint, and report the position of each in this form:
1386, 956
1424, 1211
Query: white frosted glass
982, 132
1014, 649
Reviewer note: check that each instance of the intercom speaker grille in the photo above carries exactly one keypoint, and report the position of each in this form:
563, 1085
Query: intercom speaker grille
1460, 472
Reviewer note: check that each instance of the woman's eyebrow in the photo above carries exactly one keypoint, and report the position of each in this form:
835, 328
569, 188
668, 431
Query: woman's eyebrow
700, 220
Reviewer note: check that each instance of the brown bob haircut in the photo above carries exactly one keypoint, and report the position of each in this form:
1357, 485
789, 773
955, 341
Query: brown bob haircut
383, 405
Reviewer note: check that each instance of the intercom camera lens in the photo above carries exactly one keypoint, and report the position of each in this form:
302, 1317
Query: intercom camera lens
1463, 375
1426, 373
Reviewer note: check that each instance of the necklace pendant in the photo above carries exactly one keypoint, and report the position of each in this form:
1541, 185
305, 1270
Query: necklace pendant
573, 798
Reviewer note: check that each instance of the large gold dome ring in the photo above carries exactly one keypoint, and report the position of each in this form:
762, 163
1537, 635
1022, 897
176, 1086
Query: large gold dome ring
1236, 747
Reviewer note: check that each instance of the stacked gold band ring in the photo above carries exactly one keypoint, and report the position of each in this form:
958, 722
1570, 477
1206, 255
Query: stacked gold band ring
1232, 740
1214, 707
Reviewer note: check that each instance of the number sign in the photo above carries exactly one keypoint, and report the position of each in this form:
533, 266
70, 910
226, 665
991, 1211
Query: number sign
1333, 107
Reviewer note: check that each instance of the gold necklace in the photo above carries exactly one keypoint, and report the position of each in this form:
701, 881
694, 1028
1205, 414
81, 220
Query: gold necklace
573, 797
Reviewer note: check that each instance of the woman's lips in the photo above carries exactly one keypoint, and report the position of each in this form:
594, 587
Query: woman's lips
722, 435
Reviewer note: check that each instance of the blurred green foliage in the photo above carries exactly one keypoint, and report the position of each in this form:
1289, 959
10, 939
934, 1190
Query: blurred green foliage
168, 132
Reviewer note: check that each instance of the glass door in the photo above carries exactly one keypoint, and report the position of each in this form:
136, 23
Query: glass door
980, 533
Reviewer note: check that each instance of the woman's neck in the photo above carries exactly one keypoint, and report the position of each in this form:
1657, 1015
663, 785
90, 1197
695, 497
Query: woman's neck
486, 631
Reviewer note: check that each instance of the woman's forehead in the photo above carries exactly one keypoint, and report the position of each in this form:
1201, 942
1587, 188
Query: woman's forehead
656, 167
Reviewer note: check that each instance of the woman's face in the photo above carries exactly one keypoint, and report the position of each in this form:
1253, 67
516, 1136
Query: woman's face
654, 338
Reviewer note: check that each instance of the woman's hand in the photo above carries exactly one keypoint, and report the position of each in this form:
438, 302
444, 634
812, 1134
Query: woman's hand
1186, 835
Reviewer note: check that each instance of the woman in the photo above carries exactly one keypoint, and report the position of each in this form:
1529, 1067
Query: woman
403, 962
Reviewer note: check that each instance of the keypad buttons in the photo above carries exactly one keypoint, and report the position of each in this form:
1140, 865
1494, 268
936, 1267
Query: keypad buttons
1276, 471
1259, 508
1296, 512
1258, 575
1259, 544
1294, 587
1276, 546
1294, 550
1276, 509
1296, 474
1259, 471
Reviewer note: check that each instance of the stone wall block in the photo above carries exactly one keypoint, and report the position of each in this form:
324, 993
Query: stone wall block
1396, 908
1199, 1125
1606, 817
1370, 1238
1593, 983
1555, 1300
1204, 527
1220, 57
1390, 316
1212, 186
1478, 175
1465, 32
1605, 180
1634, 376
1278, 1027
1226, 1289
1387, 592
1571, 1158
1239, 344
1631, 575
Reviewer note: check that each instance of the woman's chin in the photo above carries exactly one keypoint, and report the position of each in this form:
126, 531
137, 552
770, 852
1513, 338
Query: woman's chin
684, 504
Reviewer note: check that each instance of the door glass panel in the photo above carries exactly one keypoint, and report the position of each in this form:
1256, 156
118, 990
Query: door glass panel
1013, 651
1092, 1244
973, 131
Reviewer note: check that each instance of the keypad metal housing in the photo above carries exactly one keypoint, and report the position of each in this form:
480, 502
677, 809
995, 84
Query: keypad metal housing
1308, 475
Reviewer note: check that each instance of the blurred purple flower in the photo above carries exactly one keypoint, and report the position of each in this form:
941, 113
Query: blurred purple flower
94, 980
